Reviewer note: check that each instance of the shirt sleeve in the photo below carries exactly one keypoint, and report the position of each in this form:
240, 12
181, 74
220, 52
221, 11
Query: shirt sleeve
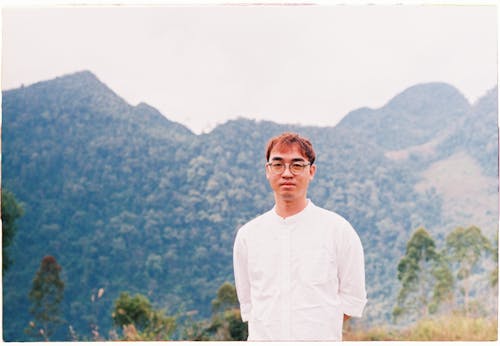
351, 273
240, 265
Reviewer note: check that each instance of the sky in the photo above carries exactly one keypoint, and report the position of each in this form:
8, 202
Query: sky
201, 65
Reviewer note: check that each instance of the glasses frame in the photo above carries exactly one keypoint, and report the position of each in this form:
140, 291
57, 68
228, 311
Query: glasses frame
289, 166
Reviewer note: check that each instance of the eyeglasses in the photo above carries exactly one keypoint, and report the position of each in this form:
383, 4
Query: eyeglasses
296, 168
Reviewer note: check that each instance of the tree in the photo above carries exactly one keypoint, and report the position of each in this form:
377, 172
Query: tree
226, 298
465, 247
424, 276
11, 211
494, 272
46, 295
226, 323
227, 314
443, 289
139, 320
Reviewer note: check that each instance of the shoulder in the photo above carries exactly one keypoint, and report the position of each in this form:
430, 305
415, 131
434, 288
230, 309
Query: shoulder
333, 222
256, 224
322, 214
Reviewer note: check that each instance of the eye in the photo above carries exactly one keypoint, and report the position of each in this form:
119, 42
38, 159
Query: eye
277, 165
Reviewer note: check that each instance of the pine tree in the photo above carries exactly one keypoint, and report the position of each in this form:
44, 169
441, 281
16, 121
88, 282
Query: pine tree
46, 295
11, 211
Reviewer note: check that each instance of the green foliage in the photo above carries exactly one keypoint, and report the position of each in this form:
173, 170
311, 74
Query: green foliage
226, 323
443, 288
479, 135
226, 298
46, 296
494, 272
424, 277
132, 310
140, 321
11, 211
465, 247
464, 251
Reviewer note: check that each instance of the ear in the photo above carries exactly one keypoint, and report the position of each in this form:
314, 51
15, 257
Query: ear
312, 172
267, 171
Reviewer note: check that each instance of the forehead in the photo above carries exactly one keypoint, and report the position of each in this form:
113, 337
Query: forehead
287, 152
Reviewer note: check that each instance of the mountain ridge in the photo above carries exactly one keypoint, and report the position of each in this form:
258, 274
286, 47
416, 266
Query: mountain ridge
447, 91
426, 109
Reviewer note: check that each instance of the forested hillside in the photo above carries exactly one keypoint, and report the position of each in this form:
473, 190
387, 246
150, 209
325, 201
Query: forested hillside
127, 200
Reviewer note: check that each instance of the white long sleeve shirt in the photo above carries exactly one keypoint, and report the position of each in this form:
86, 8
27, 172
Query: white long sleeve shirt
296, 277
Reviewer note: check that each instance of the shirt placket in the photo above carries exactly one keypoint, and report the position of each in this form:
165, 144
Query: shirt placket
286, 280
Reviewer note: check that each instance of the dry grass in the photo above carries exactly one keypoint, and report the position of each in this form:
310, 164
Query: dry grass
443, 328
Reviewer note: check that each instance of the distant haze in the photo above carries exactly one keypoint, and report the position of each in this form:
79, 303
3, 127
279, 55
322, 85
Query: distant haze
203, 65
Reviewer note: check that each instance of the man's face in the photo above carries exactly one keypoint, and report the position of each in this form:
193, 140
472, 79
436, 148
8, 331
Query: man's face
288, 186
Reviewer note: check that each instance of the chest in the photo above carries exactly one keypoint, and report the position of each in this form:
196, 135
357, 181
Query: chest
298, 253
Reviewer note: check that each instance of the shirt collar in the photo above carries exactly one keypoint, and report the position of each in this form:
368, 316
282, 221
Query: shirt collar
292, 219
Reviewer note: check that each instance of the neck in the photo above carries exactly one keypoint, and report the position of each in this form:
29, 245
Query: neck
287, 208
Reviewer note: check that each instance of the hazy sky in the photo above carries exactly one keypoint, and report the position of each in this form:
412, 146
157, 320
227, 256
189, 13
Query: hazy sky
201, 65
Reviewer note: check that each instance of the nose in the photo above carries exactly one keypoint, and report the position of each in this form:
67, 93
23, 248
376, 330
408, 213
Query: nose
287, 172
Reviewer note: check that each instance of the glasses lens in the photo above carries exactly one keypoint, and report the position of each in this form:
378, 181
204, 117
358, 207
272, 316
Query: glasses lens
277, 168
296, 168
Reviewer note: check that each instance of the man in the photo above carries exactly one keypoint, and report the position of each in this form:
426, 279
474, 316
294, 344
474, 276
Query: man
299, 269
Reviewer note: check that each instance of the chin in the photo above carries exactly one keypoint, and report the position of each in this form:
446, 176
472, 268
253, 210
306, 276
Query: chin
288, 196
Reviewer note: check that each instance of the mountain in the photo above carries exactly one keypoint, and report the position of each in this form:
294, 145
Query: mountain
414, 117
127, 200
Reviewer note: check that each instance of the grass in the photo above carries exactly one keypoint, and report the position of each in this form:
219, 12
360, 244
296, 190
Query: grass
443, 328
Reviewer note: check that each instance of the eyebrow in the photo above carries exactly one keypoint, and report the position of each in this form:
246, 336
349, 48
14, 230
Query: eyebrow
277, 158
